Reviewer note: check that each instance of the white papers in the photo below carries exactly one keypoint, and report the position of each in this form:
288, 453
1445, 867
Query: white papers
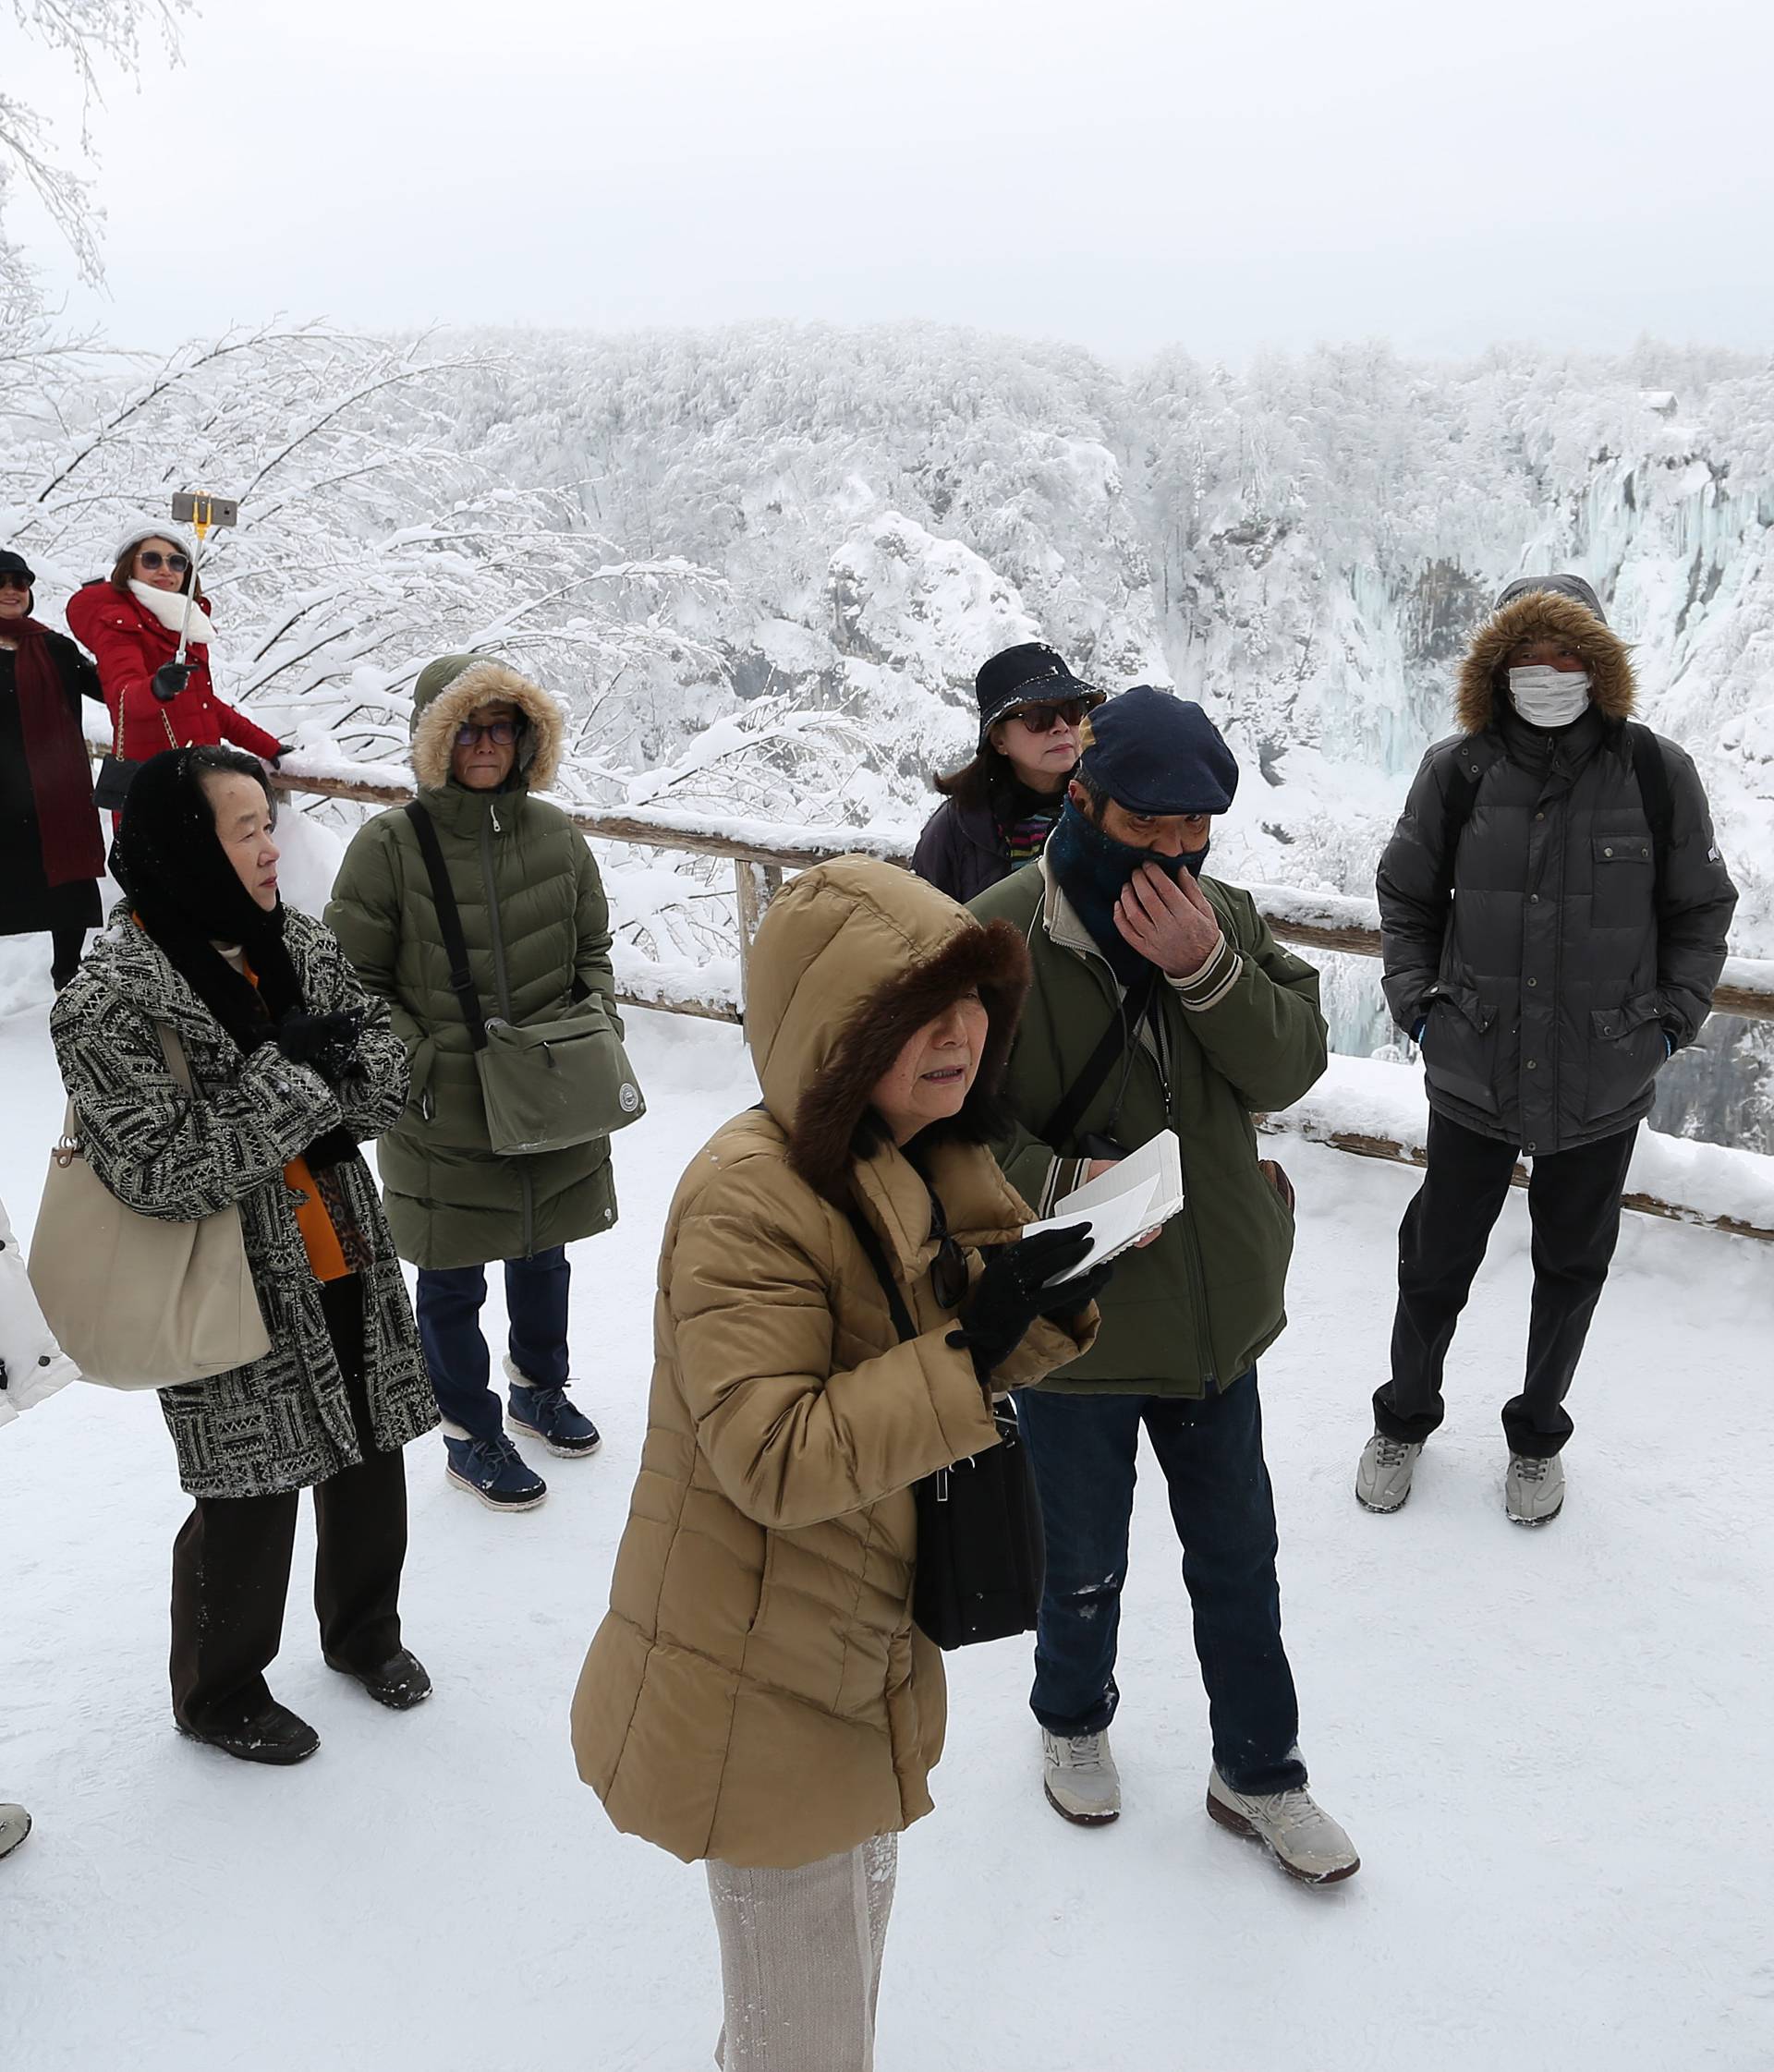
1134, 1196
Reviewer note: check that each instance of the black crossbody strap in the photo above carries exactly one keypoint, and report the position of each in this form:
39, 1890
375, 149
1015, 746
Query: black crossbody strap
449, 921
1471, 761
1116, 1038
876, 1258
1653, 775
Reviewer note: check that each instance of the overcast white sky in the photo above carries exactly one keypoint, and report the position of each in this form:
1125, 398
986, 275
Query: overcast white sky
1122, 172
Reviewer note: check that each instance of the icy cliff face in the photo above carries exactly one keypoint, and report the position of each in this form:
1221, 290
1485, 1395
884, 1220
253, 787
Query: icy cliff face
1305, 546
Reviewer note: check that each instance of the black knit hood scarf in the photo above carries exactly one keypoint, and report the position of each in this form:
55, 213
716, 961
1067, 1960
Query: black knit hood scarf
184, 891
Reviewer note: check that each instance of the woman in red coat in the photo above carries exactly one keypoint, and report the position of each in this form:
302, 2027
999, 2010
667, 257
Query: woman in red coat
131, 623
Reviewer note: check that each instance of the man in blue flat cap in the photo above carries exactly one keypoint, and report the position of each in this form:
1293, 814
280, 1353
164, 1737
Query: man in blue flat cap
1160, 1000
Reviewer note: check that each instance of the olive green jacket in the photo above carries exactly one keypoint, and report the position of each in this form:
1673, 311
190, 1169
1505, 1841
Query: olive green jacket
538, 932
1195, 1308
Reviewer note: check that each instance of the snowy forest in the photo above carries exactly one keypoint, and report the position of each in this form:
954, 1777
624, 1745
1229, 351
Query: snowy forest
760, 564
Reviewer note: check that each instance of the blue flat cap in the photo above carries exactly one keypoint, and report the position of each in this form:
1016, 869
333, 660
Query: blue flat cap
1154, 752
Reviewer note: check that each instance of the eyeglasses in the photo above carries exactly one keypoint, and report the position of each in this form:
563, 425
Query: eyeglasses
151, 559
501, 732
1043, 719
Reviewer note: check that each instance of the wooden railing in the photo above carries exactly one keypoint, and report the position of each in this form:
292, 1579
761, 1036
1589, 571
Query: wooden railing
760, 853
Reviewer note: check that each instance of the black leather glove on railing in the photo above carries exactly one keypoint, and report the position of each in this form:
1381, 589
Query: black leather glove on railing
327, 1042
171, 678
1012, 1292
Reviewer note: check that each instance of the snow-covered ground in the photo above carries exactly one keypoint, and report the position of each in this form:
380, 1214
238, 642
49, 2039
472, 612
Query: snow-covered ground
1549, 1747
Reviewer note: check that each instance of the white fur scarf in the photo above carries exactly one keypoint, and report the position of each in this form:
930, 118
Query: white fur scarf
168, 607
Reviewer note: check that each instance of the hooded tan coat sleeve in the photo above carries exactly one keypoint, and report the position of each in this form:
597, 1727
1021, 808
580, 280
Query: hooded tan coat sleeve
796, 1423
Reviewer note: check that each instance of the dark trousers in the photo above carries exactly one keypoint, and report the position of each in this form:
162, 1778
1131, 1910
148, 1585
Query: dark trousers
449, 1329
232, 1556
1574, 1201
1083, 1450
67, 939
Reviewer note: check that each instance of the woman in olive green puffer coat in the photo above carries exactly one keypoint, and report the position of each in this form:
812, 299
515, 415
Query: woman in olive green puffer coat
537, 928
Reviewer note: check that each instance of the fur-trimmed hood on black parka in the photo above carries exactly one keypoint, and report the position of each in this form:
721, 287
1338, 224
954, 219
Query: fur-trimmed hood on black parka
853, 957
456, 686
1543, 615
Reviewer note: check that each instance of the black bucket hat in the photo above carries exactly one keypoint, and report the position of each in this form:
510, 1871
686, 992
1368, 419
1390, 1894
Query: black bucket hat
16, 565
1030, 674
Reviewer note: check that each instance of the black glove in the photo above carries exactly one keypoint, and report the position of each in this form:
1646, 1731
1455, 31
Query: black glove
171, 678
327, 1042
1012, 1292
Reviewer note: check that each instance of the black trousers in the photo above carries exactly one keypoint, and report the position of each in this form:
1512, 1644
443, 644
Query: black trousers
1573, 1204
67, 939
231, 1564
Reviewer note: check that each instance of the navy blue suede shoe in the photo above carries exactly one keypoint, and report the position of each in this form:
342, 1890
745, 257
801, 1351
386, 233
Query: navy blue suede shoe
494, 1471
546, 1414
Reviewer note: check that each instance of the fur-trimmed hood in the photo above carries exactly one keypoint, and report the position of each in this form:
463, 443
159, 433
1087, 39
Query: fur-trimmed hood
852, 957
1543, 615
450, 688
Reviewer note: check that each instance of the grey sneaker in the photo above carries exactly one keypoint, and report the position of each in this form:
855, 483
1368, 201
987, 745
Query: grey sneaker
1383, 1473
14, 1824
1291, 1826
1080, 1778
1533, 1490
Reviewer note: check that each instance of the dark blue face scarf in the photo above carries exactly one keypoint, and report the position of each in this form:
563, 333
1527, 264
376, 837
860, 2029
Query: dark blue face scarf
1093, 869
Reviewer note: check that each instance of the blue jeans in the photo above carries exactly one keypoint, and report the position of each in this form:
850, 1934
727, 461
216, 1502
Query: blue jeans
449, 1329
1083, 1449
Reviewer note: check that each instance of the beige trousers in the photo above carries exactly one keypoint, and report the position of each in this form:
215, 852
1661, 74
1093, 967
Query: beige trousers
800, 1960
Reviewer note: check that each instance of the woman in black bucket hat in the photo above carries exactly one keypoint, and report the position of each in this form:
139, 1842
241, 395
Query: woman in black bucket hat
999, 808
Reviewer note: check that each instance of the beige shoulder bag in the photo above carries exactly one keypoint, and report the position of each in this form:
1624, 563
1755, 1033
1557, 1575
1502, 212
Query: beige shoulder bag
137, 1302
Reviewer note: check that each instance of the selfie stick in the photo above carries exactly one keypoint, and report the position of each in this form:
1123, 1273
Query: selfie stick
203, 508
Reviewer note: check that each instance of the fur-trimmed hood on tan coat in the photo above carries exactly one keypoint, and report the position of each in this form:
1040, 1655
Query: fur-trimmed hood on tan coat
1543, 615
451, 689
758, 1691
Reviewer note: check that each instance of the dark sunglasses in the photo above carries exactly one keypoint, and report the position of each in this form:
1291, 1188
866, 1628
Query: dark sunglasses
1043, 719
152, 558
501, 732
8, 581
949, 1268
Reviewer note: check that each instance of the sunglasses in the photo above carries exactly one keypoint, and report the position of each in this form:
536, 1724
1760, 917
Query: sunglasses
151, 559
1043, 719
8, 581
501, 732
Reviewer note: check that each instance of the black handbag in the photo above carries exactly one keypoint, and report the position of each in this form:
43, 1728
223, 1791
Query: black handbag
111, 786
981, 1557
117, 771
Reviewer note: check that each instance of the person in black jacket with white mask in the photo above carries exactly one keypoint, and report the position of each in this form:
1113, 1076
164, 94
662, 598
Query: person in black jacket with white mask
1555, 915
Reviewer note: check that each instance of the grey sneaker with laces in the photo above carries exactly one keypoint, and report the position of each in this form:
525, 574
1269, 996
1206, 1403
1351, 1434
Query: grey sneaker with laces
1533, 1490
1080, 1778
1292, 1825
1383, 1473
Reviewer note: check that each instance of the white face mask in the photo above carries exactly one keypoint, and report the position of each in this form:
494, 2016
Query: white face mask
1550, 697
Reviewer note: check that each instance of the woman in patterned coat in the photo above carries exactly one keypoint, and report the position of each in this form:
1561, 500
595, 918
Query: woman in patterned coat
292, 1066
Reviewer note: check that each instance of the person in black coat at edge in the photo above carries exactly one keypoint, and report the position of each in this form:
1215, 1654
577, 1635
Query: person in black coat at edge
999, 809
1555, 913
52, 853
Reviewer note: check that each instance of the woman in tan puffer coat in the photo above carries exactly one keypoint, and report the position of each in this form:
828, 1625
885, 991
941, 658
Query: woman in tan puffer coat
757, 1696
